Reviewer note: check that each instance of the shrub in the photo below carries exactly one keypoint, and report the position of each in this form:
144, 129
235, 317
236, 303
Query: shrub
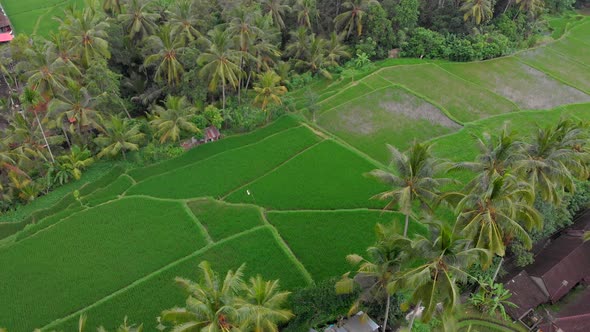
317, 305
424, 43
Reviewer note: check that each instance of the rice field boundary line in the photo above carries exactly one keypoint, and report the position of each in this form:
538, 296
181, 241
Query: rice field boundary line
201, 227
477, 85
353, 83
198, 161
551, 49
351, 100
426, 99
331, 210
349, 147
222, 198
31, 10
556, 50
587, 44
587, 92
149, 276
471, 125
286, 249
130, 178
215, 155
563, 36
88, 209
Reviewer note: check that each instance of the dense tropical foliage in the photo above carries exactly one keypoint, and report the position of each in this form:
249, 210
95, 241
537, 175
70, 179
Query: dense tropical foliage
113, 65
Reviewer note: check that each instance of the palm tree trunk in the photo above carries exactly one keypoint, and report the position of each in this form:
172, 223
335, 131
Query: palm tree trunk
44, 137
386, 312
507, 5
248, 80
414, 316
223, 93
66, 136
124, 155
240, 80
498, 269
406, 225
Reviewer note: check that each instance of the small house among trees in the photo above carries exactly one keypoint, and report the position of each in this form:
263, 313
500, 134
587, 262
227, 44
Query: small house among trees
558, 268
6, 33
210, 134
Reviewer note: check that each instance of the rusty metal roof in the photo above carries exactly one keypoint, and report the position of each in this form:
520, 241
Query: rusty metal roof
561, 265
4, 21
525, 294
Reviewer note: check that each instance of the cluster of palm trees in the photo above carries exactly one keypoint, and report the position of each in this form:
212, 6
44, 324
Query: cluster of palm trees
229, 304
492, 210
113, 64
482, 11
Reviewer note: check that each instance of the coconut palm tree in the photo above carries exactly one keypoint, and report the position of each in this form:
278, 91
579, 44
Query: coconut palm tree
315, 60
75, 161
173, 119
245, 32
444, 257
88, 32
138, 20
33, 102
263, 306
298, 47
276, 9
167, 50
532, 7
492, 215
212, 303
184, 23
77, 108
221, 63
269, 90
555, 157
335, 50
480, 11
47, 73
352, 18
384, 260
413, 178
120, 135
497, 155
111, 7
62, 45
307, 12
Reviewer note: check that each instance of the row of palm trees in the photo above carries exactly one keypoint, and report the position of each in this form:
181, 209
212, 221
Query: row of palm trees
492, 210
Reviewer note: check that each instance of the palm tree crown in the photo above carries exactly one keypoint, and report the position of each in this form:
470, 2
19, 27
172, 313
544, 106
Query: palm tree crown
173, 119
412, 178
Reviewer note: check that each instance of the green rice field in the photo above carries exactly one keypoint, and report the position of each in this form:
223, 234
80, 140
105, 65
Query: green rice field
290, 200
37, 16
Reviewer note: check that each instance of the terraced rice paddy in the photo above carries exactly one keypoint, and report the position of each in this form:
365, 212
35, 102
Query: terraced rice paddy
290, 199
37, 16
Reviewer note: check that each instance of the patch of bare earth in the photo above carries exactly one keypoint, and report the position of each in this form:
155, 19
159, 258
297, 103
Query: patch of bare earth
364, 121
414, 108
536, 90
